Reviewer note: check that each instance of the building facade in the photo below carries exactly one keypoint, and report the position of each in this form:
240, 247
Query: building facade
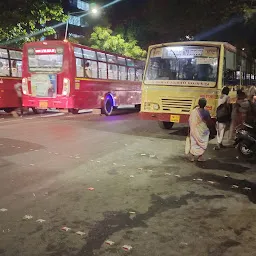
77, 24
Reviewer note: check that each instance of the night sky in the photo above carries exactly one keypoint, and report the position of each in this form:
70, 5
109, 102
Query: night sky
170, 20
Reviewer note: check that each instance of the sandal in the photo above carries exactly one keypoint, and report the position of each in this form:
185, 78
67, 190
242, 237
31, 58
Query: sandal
201, 159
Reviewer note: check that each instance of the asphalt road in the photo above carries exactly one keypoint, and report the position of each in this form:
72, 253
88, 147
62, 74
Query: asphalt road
121, 179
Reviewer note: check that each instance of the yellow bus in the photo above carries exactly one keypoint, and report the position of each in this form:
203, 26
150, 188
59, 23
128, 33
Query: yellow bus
178, 74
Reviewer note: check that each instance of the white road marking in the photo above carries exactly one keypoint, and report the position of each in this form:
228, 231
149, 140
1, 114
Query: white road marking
85, 111
52, 115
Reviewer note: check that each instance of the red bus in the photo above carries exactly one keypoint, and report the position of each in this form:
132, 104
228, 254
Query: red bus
10, 74
63, 75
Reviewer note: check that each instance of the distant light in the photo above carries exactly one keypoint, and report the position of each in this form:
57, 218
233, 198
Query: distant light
94, 11
243, 49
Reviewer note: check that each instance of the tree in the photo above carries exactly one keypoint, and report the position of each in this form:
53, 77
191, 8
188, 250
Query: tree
104, 39
23, 21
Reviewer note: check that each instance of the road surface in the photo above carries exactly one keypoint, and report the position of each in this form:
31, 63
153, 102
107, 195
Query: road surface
121, 179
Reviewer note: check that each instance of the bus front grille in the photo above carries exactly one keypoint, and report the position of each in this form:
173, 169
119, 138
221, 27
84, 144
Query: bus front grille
177, 105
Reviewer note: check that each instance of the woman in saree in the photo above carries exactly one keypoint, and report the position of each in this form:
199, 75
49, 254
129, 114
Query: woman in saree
199, 121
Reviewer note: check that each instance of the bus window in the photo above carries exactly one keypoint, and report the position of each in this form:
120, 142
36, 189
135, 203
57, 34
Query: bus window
101, 56
121, 61
89, 54
79, 68
16, 68
4, 67
39, 61
78, 52
139, 74
131, 74
91, 69
102, 70
122, 73
111, 58
112, 71
16, 55
3, 53
230, 68
130, 63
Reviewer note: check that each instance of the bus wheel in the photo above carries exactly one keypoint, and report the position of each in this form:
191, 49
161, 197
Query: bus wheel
165, 125
39, 110
108, 107
8, 110
137, 107
74, 111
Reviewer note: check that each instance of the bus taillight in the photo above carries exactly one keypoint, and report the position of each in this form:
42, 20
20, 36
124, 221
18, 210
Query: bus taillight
25, 85
66, 87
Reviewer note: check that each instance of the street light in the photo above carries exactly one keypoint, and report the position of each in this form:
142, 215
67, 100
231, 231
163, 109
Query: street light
94, 11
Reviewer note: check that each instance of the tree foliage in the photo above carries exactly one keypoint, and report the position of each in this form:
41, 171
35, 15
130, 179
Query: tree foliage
28, 20
104, 39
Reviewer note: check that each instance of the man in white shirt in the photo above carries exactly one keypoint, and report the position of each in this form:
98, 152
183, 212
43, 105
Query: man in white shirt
222, 124
88, 71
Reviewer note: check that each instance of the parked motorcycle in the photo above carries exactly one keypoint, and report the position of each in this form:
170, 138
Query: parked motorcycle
245, 140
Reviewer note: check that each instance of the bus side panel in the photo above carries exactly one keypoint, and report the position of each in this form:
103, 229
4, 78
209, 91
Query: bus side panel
89, 93
8, 95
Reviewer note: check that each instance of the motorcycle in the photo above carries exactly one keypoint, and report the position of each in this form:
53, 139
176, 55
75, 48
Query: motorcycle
245, 140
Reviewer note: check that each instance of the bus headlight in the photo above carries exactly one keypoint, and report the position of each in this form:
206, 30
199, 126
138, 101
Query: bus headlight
156, 106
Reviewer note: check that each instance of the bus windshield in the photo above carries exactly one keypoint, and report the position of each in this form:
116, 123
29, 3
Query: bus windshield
45, 60
183, 65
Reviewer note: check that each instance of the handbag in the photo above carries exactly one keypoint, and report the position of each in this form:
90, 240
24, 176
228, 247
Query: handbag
187, 145
224, 113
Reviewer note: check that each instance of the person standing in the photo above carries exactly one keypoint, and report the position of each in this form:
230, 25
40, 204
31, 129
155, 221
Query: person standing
88, 71
223, 117
199, 121
18, 89
239, 112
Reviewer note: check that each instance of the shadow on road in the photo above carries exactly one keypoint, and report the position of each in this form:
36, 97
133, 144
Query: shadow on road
9, 147
216, 164
226, 183
116, 221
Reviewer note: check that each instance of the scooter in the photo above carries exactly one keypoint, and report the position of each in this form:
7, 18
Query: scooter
245, 140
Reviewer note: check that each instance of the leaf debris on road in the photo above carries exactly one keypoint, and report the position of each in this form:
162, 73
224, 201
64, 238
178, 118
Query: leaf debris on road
27, 217
40, 220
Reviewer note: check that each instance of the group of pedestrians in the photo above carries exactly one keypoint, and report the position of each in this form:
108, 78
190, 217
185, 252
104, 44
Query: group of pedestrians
229, 116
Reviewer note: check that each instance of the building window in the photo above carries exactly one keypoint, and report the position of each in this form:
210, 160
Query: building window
82, 5
74, 20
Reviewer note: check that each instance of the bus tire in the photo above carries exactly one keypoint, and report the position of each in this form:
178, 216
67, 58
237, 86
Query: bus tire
74, 111
108, 105
165, 125
137, 107
9, 110
39, 110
